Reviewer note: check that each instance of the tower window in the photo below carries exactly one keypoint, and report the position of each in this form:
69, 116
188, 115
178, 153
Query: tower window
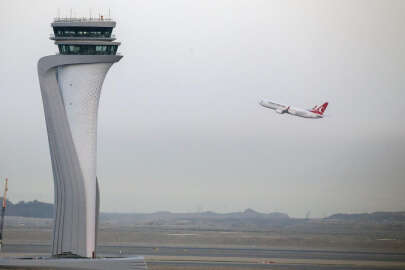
88, 49
83, 32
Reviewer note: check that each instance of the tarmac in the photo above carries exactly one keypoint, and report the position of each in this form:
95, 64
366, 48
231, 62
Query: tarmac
129, 263
234, 258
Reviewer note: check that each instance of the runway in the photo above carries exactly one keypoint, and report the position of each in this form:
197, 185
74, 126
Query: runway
275, 266
224, 252
165, 257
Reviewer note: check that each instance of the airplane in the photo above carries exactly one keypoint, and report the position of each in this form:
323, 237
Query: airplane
315, 112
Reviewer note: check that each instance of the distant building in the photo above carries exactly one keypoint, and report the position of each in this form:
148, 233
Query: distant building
70, 83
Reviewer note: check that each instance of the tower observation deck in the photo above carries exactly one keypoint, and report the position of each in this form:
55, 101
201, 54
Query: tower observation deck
82, 36
71, 84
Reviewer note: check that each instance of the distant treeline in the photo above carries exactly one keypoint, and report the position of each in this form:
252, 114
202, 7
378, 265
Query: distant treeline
371, 217
34, 208
248, 219
39, 209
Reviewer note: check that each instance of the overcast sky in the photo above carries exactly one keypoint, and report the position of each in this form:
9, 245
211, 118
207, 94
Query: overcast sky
180, 128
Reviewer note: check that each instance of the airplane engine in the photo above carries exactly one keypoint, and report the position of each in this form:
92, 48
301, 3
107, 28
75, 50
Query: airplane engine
283, 110
280, 111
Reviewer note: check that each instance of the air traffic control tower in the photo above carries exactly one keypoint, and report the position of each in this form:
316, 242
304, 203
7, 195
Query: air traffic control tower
70, 84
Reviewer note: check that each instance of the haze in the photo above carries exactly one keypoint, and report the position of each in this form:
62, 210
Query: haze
180, 128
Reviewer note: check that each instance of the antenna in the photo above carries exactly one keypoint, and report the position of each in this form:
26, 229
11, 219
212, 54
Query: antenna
58, 13
90, 13
109, 13
70, 13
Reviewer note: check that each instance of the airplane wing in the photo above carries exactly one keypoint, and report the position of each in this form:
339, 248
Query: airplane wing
277, 106
280, 108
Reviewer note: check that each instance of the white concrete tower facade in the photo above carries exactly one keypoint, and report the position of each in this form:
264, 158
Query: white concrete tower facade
70, 86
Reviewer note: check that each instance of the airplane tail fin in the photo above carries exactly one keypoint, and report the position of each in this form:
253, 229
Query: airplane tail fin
320, 109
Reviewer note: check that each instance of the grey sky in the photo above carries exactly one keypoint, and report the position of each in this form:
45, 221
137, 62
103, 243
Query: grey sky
180, 128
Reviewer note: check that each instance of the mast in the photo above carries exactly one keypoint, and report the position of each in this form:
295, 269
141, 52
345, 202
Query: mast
3, 211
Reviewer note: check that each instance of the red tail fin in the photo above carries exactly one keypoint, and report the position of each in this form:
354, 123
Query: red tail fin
320, 109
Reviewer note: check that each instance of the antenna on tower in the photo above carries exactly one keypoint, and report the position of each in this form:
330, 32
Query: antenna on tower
90, 13
58, 13
109, 13
70, 13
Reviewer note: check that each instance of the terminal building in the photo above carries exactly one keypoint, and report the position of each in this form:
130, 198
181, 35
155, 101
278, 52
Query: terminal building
71, 83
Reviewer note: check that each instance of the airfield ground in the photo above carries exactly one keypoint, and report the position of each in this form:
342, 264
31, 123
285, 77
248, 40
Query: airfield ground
171, 247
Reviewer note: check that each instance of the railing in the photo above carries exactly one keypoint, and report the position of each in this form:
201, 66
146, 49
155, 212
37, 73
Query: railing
117, 53
84, 19
52, 36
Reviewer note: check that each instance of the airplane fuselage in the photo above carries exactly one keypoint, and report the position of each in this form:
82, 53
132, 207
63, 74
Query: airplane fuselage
279, 108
